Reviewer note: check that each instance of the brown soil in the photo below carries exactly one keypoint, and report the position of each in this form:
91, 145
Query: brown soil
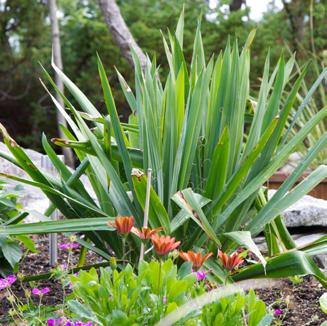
38, 263
299, 302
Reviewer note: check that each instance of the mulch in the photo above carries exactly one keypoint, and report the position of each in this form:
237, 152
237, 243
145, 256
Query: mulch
299, 303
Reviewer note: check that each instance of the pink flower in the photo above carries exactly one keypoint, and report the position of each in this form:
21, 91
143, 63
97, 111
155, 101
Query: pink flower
7, 281
278, 312
53, 322
201, 275
11, 279
38, 292
45, 290
69, 246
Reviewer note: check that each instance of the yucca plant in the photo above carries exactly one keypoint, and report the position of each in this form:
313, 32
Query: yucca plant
208, 157
309, 105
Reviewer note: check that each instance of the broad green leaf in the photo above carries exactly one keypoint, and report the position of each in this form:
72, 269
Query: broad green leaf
187, 200
243, 238
287, 264
60, 226
323, 302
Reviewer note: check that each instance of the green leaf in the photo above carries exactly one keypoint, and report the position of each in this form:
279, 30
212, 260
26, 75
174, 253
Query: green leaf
323, 302
285, 265
27, 242
82, 311
71, 225
243, 238
185, 269
187, 200
11, 251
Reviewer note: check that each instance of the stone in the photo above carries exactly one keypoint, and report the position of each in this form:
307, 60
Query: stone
32, 198
292, 162
308, 211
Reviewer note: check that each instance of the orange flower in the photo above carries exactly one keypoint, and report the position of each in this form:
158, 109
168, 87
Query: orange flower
232, 261
196, 258
123, 224
145, 233
164, 244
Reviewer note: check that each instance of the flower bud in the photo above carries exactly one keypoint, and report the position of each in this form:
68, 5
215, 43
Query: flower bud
72, 238
11, 298
113, 263
12, 312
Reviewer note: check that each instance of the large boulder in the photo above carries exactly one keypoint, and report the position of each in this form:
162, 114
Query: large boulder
32, 198
308, 211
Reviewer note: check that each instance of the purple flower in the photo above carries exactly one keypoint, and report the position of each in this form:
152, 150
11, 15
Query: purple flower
7, 281
11, 279
45, 290
77, 323
201, 275
278, 312
3, 284
51, 322
37, 291
69, 246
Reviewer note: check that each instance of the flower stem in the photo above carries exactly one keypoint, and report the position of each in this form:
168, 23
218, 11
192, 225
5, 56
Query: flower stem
124, 247
146, 209
159, 278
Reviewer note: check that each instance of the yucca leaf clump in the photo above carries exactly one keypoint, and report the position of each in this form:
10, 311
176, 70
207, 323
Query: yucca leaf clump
211, 143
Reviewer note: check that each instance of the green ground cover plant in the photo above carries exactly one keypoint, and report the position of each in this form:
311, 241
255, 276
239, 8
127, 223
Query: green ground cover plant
11, 213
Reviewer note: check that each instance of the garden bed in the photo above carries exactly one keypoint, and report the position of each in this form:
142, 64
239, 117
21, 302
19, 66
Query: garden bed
299, 303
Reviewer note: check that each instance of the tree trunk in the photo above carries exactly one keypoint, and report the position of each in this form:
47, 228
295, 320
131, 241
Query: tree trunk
56, 49
236, 5
295, 12
120, 31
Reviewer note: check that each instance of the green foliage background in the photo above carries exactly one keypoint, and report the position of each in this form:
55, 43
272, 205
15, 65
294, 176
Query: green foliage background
25, 39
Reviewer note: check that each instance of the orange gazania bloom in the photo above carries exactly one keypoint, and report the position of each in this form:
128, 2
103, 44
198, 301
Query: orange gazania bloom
196, 258
123, 224
164, 244
146, 233
232, 261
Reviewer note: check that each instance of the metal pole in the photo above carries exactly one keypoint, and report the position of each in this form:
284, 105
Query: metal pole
53, 237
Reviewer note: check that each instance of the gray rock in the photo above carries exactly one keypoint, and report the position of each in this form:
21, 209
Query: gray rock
32, 199
308, 211
293, 160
